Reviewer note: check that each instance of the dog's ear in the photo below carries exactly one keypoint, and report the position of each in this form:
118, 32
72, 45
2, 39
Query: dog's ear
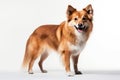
70, 10
89, 11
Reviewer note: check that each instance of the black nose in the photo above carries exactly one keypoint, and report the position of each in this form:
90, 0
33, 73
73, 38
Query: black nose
80, 26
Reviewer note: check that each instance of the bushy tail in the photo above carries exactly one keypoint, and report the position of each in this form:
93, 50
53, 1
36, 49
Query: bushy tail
26, 60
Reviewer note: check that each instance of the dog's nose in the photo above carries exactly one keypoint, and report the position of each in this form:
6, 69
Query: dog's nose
80, 25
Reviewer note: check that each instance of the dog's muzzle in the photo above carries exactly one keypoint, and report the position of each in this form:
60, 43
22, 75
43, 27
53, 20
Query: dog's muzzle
81, 27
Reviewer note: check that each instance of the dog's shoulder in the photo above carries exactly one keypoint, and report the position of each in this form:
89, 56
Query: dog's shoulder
59, 31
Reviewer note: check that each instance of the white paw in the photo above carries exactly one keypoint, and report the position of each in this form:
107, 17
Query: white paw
70, 74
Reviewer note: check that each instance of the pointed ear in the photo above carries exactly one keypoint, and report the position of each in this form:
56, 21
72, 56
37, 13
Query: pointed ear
89, 11
70, 10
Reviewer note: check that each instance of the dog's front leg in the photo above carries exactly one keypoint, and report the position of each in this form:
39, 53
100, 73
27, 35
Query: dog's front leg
75, 62
66, 60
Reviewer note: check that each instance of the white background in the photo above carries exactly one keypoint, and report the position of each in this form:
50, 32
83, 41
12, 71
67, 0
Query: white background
18, 19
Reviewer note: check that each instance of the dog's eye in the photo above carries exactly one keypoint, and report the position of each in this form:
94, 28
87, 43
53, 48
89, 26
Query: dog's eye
75, 19
84, 18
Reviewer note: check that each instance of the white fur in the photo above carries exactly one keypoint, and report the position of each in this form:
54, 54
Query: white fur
80, 44
70, 74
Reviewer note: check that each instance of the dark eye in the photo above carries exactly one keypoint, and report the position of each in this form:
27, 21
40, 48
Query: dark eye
75, 19
84, 18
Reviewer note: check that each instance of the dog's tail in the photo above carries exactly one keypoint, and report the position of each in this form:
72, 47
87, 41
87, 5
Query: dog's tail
26, 60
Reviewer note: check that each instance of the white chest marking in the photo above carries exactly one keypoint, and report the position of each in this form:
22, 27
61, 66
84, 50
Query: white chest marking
78, 47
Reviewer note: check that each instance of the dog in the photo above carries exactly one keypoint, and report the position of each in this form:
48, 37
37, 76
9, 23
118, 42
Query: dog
68, 39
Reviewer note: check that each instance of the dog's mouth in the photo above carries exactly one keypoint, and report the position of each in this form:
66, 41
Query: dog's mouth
81, 28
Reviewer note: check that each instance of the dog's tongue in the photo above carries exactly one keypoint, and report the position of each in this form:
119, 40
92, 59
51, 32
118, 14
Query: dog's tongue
79, 30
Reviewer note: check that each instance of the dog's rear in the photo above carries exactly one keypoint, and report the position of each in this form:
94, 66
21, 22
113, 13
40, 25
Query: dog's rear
41, 39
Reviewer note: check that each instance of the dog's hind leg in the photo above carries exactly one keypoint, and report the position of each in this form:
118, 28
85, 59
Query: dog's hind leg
43, 57
33, 58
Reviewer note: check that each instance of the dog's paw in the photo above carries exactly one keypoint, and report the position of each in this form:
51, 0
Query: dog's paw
30, 72
44, 71
78, 72
70, 74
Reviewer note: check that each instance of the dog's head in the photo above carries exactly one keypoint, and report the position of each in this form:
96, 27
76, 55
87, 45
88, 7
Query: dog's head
80, 20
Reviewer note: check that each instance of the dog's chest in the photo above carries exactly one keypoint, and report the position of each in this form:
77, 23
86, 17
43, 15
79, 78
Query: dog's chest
76, 48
